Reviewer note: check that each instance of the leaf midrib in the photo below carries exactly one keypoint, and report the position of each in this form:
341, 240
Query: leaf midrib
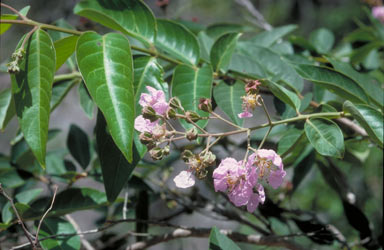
315, 128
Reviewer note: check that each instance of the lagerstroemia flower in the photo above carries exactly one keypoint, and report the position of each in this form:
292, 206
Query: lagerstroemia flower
269, 166
239, 181
249, 103
145, 125
155, 99
378, 12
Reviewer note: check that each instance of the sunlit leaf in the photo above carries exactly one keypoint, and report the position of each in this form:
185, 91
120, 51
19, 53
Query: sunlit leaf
189, 85
222, 51
105, 63
325, 136
32, 88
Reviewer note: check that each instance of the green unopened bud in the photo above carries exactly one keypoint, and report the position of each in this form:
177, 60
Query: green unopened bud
171, 113
156, 153
205, 104
149, 113
208, 158
174, 102
166, 150
146, 138
18, 54
192, 134
13, 67
186, 155
192, 116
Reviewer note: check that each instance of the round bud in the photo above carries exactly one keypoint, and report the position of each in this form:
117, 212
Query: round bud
205, 104
192, 134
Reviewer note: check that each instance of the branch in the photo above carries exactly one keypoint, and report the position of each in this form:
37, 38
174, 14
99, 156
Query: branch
178, 233
85, 243
45, 215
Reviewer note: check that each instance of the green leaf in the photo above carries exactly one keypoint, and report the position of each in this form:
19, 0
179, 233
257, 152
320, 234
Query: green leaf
247, 66
218, 29
368, 117
5, 26
363, 52
75, 199
228, 99
59, 91
105, 63
325, 136
177, 41
32, 88
366, 82
20, 148
78, 145
115, 168
28, 195
289, 139
284, 95
222, 51
267, 38
64, 49
340, 84
147, 72
322, 39
273, 64
218, 241
6, 213
7, 107
55, 226
131, 17
86, 102
189, 85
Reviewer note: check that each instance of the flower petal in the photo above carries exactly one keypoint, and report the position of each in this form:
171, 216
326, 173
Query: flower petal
184, 179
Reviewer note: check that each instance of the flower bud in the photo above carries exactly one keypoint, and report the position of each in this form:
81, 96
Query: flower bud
156, 153
192, 116
251, 86
186, 155
205, 104
192, 134
18, 54
166, 150
146, 138
174, 102
171, 113
159, 131
149, 113
13, 67
208, 158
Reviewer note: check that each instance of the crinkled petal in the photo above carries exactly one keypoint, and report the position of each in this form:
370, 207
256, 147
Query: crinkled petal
276, 178
266, 153
220, 185
184, 179
245, 114
160, 107
144, 125
240, 195
253, 203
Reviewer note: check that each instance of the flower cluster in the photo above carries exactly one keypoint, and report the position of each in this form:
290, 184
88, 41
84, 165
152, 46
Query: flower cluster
242, 181
152, 131
250, 100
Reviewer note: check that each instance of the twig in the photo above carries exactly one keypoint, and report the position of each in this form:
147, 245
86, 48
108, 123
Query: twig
14, 11
45, 214
19, 219
85, 243
204, 232
125, 205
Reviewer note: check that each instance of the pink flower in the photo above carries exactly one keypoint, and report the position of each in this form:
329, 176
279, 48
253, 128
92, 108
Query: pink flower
235, 178
269, 166
184, 179
145, 125
155, 99
249, 103
378, 12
